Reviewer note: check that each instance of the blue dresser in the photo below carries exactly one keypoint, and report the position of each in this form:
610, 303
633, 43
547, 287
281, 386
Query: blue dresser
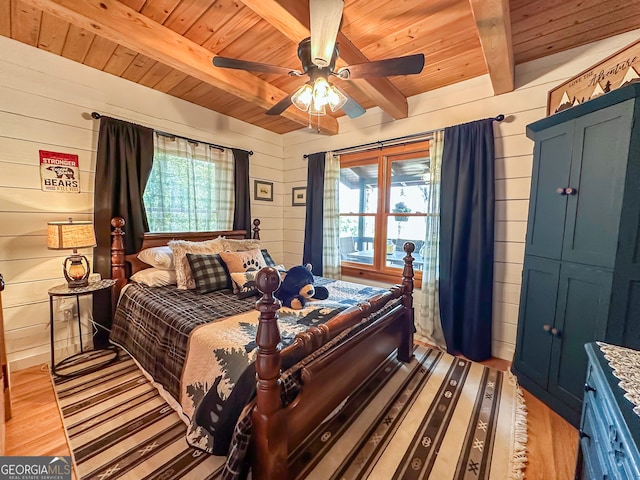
609, 427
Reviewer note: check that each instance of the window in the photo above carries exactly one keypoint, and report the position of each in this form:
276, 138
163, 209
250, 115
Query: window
383, 204
190, 187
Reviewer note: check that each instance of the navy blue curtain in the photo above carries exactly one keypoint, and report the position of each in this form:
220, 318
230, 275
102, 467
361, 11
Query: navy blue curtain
467, 205
242, 198
313, 225
123, 164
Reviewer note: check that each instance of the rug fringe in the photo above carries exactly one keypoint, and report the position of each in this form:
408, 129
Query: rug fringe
519, 454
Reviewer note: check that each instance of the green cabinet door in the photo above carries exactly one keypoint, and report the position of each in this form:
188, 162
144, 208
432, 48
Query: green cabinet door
551, 169
581, 317
536, 318
598, 169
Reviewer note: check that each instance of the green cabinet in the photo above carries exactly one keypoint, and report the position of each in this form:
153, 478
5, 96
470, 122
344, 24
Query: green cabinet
581, 275
580, 317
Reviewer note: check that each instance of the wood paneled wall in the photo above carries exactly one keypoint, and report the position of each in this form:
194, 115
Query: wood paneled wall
45, 102
452, 105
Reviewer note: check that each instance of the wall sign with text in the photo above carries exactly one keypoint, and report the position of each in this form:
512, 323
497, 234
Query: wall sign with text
613, 72
60, 172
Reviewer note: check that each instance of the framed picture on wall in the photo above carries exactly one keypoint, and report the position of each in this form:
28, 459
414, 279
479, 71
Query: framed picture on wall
299, 196
263, 190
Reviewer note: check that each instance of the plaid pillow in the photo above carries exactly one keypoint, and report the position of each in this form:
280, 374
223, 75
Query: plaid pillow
209, 272
267, 258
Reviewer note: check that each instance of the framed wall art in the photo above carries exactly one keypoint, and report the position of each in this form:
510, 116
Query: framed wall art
263, 190
298, 196
615, 71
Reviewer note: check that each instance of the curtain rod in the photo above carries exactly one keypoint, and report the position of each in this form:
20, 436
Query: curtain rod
97, 116
395, 141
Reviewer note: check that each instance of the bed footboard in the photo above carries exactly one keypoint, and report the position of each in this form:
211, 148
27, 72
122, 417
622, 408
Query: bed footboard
277, 430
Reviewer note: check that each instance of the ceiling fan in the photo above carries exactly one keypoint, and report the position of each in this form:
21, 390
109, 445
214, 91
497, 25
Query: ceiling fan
318, 55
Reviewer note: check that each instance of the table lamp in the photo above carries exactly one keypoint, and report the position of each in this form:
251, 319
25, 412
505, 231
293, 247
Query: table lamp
72, 235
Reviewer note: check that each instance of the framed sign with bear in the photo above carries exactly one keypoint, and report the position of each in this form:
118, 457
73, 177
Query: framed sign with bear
59, 172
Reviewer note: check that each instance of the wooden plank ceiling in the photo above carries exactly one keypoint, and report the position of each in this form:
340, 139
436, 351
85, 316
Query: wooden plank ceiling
168, 44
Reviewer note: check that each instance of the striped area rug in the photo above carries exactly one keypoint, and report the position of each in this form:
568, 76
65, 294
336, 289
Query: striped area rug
438, 417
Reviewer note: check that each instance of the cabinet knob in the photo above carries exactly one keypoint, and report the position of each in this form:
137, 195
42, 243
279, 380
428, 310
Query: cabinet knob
570, 191
582, 434
555, 332
589, 388
561, 191
546, 327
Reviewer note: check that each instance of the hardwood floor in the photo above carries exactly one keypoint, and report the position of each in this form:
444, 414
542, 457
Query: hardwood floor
36, 427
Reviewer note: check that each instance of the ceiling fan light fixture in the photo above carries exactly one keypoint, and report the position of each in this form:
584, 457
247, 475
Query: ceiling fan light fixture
336, 98
317, 109
325, 16
303, 97
321, 91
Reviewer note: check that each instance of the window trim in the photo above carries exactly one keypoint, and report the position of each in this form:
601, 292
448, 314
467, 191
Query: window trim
379, 271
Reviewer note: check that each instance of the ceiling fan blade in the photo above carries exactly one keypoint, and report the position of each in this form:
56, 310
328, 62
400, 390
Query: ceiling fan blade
280, 107
352, 108
325, 17
406, 65
224, 62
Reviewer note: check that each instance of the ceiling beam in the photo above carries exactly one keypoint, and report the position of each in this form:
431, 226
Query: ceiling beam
293, 21
125, 26
493, 22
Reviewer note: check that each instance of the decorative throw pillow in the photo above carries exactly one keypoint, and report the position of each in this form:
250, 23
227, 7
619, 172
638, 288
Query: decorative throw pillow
244, 283
180, 248
209, 272
155, 277
159, 257
249, 261
267, 258
240, 245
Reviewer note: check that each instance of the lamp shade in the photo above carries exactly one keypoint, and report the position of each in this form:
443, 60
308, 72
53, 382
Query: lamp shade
70, 235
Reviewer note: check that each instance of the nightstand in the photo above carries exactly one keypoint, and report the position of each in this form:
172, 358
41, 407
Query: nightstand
87, 360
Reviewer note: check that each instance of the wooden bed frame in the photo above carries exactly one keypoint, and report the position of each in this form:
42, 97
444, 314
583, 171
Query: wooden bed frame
328, 379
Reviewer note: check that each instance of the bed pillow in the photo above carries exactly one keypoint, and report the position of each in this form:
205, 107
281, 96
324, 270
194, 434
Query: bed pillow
180, 248
155, 277
267, 258
244, 283
209, 272
240, 262
240, 245
159, 257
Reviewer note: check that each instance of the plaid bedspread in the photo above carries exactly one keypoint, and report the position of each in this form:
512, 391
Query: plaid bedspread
154, 323
201, 347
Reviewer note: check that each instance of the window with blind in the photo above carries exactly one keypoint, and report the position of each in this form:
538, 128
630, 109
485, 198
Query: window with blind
190, 187
383, 204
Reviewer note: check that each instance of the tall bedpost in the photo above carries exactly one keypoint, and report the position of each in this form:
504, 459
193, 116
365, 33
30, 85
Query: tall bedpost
118, 271
269, 423
256, 229
405, 352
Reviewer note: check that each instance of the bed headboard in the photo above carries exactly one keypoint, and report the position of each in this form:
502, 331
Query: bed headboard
123, 265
